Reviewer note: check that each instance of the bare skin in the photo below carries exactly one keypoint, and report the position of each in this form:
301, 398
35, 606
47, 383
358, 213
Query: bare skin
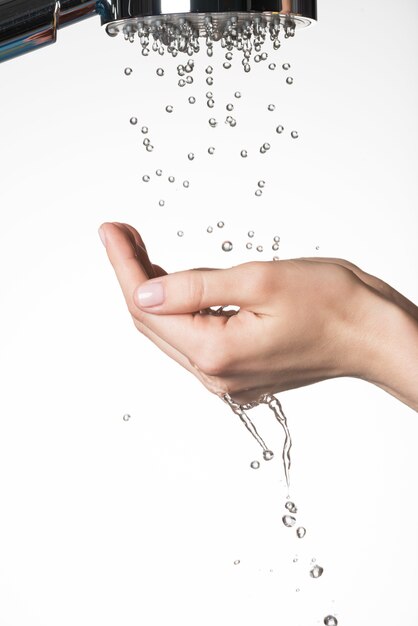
300, 321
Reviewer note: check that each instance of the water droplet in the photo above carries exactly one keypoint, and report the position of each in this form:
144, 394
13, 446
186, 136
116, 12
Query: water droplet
291, 506
257, 58
301, 532
212, 122
247, 67
295, 560
289, 520
316, 571
276, 239
209, 69
192, 100
266, 146
255, 465
161, 203
297, 590
260, 248
126, 417
211, 150
228, 56
211, 103
171, 179
160, 71
146, 141
289, 80
209, 95
286, 66
276, 258
258, 193
237, 562
232, 122
330, 620
272, 66
237, 94
220, 224
128, 71
159, 172
271, 107
264, 56
227, 65
267, 454
150, 148
209, 229
146, 178
190, 156
244, 154
134, 120
229, 107
144, 130
279, 129
186, 184
209, 80
294, 134
249, 246
181, 83
227, 246
189, 80
169, 108
251, 234
275, 246
261, 184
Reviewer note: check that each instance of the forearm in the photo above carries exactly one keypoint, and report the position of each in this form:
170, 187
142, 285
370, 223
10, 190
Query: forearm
392, 351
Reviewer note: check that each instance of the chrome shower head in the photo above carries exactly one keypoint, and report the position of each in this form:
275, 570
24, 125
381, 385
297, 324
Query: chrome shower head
26, 25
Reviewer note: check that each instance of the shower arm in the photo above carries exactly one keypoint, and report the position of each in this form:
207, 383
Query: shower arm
27, 25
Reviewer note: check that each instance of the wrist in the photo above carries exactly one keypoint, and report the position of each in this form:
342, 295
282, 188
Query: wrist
387, 340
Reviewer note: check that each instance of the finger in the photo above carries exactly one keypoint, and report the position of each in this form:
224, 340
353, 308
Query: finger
248, 286
122, 253
140, 248
159, 271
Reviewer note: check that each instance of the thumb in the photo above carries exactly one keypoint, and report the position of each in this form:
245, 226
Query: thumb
245, 286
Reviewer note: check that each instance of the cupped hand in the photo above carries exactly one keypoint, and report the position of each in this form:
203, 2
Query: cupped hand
299, 321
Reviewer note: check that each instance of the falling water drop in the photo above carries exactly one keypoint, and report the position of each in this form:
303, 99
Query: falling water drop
286, 66
190, 156
275, 247
227, 246
266, 146
160, 71
128, 71
209, 69
229, 107
258, 193
279, 130
211, 150
260, 248
276, 239
316, 571
289, 80
227, 65
126, 417
171, 179
211, 103
220, 224
150, 148
261, 184
134, 120
249, 246
237, 562
161, 203
294, 134
301, 532
169, 108
146, 178
250, 234
272, 66
291, 507
186, 184
271, 107
192, 100
144, 130
330, 620
180, 233
255, 464
237, 94
159, 172
209, 229
268, 455
212, 122
209, 80
244, 154
288, 520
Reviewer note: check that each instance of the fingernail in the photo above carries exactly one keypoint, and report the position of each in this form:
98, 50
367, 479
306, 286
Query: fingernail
150, 294
102, 236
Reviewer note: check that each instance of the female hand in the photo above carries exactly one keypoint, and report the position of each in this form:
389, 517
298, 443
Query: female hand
300, 321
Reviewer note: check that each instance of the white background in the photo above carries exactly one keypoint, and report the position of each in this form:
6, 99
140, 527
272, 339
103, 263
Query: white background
111, 522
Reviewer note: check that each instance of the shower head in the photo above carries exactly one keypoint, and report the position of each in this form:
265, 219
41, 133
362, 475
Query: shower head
175, 25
